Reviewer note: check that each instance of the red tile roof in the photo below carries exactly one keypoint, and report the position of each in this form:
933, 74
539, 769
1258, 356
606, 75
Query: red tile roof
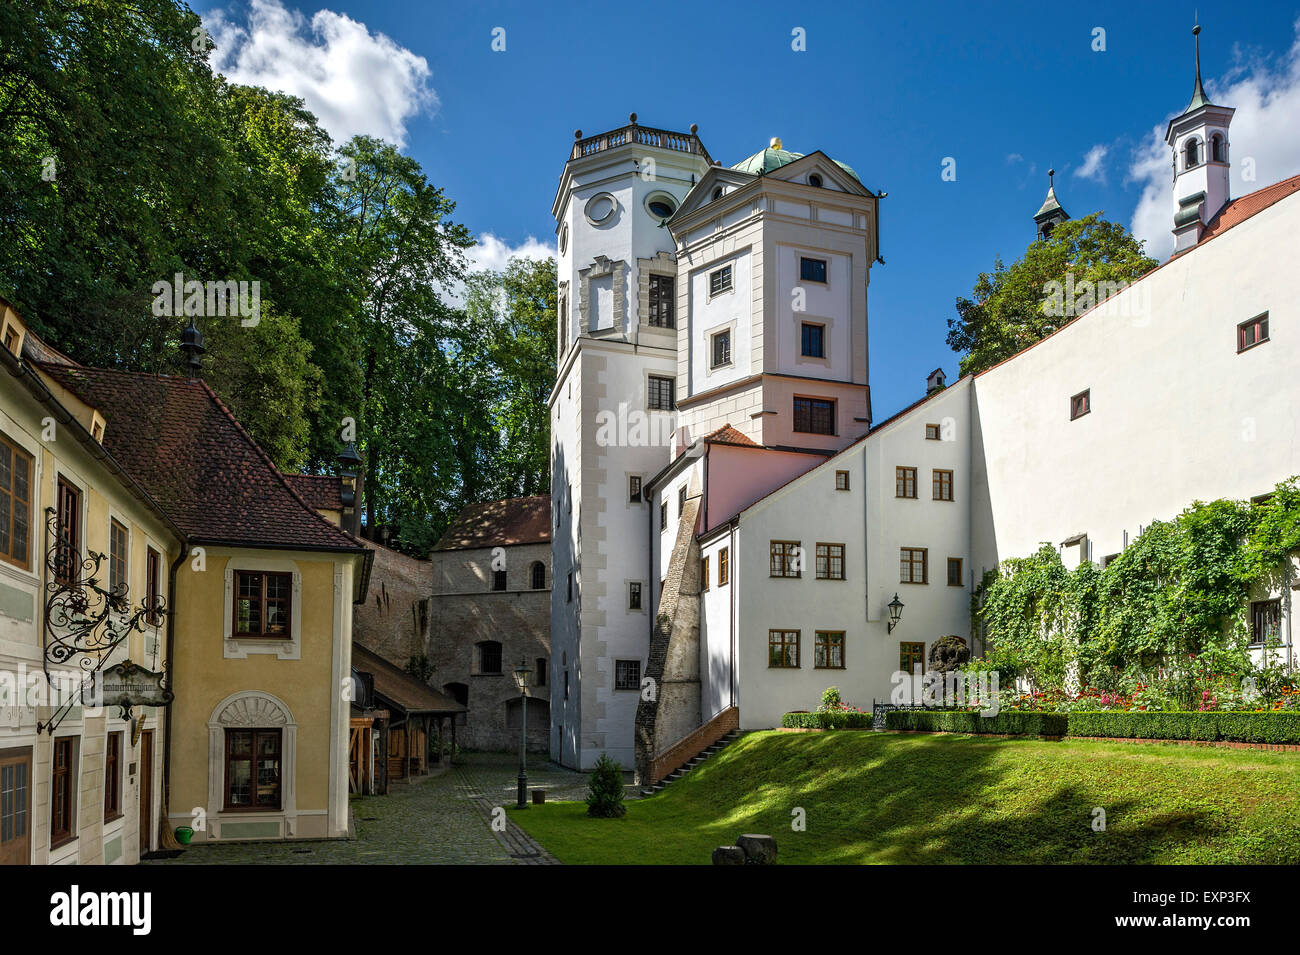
398, 687
729, 435
176, 438
1239, 210
517, 520
321, 491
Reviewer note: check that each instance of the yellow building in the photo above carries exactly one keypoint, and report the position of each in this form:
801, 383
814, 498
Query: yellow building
255, 644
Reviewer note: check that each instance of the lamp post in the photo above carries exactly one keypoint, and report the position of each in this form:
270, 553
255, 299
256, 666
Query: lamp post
522, 673
895, 613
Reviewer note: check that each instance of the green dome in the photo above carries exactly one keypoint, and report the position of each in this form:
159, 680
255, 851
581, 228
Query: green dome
765, 160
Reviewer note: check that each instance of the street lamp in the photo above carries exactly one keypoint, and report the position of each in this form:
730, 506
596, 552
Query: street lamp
522, 673
895, 613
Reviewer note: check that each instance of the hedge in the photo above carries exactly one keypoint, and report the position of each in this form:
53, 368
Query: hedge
1213, 726
963, 721
827, 721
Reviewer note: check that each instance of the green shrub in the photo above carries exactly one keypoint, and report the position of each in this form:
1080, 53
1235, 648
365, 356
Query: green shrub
1210, 726
965, 721
605, 789
827, 720
831, 699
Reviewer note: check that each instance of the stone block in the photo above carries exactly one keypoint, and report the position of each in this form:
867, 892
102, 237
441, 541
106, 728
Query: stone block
759, 849
728, 855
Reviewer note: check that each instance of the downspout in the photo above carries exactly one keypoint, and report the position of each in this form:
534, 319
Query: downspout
733, 573
171, 683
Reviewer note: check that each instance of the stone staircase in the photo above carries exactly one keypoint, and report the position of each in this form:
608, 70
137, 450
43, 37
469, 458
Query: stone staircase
695, 761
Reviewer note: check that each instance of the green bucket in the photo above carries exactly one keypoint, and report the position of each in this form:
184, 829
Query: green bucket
184, 834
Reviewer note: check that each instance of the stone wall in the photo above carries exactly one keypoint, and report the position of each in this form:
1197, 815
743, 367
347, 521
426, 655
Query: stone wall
465, 614
394, 620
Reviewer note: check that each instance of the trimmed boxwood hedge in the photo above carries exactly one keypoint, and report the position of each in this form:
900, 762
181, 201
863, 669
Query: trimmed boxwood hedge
960, 721
1213, 726
826, 721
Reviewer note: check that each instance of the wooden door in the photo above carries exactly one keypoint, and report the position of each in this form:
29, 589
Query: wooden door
146, 791
15, 807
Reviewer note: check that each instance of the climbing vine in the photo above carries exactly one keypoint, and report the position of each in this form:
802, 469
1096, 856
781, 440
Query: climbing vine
1179, 591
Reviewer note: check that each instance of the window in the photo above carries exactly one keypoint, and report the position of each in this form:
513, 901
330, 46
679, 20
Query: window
62, 786
911, 656
663, 515
262, 604
661, 296
116, 557
783, 649
112, 776
704, 573
841, 480
721, 348
634, 489
489, 657
539, 575
1080, 404
720, 280
681, 500
541, 671
634, 595
1253, 332
11, 340
932, 432
660, 393
815, 181
784, 559
564, 324
942, 485
569, 598
812, 340
912, 565
904, 482
717, 194
814, 415
724, 566
153, 585
67, 557
1192, 153
1216, 149
830, 561
15, 502
828, 650
498, 580
661, 206
253, 769
1265, 621
627, 674
954, 571
15, 793
97, 432
812, 270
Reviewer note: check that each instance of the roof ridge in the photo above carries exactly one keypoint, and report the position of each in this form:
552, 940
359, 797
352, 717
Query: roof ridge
266, 459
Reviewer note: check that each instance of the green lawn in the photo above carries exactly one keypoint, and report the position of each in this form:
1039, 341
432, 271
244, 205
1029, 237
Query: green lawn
887, 798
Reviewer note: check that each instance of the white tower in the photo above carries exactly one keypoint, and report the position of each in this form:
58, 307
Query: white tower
1199, 140
612, 416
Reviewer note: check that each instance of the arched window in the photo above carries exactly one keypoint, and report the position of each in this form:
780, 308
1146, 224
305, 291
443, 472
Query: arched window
539, 575
717, 194
1192, 153
489, 657
1216, 149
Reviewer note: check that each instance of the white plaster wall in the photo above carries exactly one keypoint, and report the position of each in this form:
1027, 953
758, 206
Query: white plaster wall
715, 631
829, 304
709, 314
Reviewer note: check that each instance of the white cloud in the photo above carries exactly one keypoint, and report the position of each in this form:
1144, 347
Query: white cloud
1014, 158
354, 81
1092, 164
1264, 137
494, 253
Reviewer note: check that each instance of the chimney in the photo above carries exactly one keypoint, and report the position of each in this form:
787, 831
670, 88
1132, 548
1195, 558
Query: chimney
350, 479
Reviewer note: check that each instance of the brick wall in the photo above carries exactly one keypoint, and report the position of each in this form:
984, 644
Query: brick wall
392, 622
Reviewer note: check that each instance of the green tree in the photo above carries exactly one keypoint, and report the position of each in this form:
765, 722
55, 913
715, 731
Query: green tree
1057, 279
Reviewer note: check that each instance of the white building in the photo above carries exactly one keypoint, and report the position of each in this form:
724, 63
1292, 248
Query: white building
767, 542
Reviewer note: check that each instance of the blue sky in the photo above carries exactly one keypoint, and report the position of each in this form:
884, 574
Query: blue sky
1006, 90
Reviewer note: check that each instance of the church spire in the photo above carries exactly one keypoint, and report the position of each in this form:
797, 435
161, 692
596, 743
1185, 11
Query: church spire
1050, 214
1199, 98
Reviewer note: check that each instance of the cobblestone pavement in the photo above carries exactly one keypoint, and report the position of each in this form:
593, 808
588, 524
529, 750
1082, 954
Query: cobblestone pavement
440, 820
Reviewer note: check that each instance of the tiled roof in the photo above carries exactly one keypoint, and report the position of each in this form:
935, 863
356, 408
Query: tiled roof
729, 435
517, 520
322, 491
397, 686
1239, 210
177, 439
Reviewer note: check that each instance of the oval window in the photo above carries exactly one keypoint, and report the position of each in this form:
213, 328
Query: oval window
600, 208
661, 206
815, 181
564, 238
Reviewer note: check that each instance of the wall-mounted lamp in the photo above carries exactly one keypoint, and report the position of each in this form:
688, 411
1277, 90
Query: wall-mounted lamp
895, 613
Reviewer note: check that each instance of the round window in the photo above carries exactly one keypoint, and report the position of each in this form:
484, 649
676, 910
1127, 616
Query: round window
600, 208
815, 181
661, 205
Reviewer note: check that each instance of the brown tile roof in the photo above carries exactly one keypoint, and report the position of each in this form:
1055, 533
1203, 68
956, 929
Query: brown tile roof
398, 687
321, 491
517, 520
729, 435
176, 438
1239, 210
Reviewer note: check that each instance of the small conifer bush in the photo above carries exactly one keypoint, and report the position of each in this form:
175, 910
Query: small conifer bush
605, 789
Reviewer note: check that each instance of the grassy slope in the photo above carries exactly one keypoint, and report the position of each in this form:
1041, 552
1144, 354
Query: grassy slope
886, 798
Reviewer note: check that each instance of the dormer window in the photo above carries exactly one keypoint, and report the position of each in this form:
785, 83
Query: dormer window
98, 433
815, 181
1192, 153
11, 340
